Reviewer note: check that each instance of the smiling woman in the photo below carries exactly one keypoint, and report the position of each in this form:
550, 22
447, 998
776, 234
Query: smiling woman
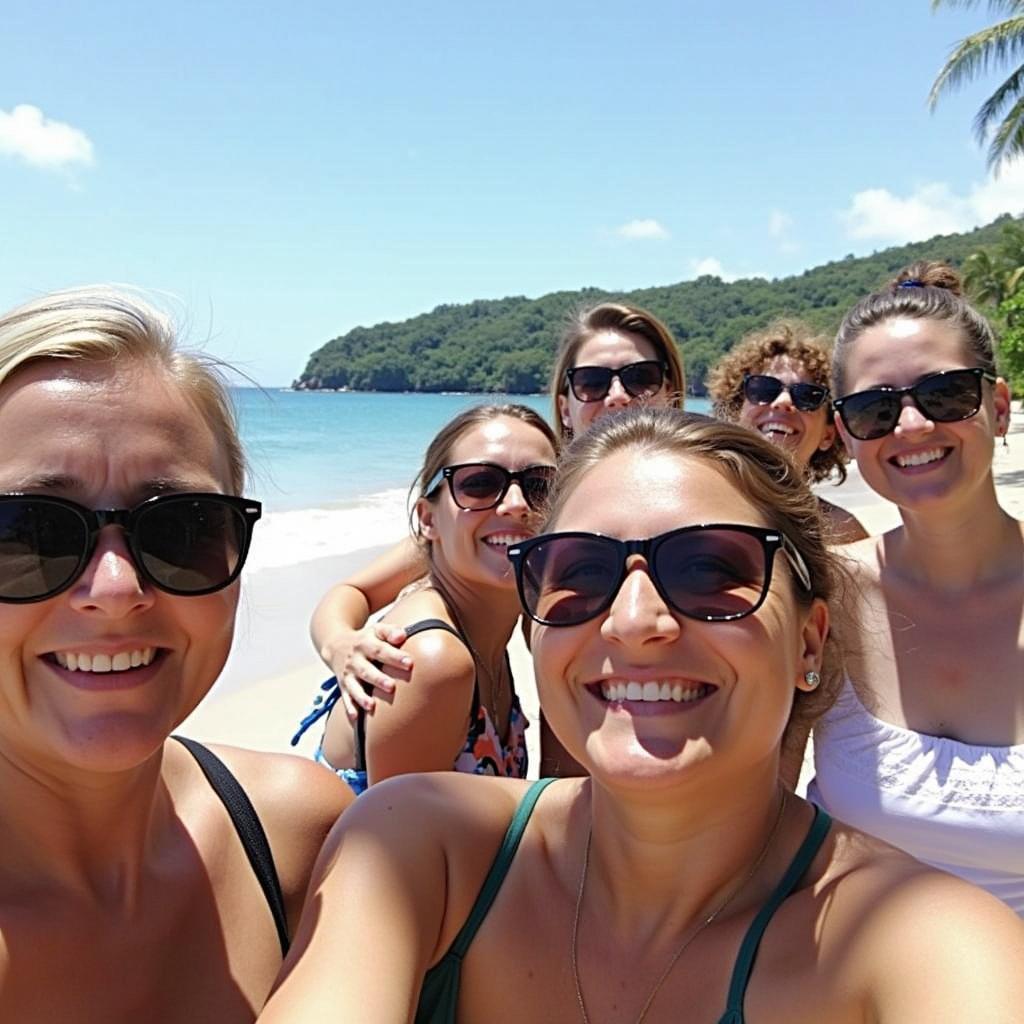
676, 641
484, 479
122, 534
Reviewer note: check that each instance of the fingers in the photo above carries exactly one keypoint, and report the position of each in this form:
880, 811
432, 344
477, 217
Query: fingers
383, 646
354, 696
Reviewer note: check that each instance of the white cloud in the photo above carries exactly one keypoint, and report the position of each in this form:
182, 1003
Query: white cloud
933, 208
642, 229
713, 266
28, 134
779, 223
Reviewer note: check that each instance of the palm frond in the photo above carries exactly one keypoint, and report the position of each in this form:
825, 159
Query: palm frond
995, 106
972, 56
1008, 140
995, 6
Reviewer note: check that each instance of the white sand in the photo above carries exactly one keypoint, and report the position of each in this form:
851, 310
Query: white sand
273, 672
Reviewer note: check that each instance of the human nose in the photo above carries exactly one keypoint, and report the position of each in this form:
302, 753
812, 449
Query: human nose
111, 584
911, 419
617, 394
513, 502
638, 615
783, 399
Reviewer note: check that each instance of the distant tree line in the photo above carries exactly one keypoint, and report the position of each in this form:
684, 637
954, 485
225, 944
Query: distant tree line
508, 344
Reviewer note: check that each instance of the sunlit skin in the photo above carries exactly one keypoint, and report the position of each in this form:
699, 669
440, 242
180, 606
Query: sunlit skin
64, 435
800, 433
750, 666
613, 349
898, 353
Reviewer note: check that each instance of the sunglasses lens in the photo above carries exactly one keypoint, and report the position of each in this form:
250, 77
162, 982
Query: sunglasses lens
869, 415
948, 397
760, 389
567, 580
190, 545
807, 397
536, 483
642, 380
712, 573
478, 487
591, 383
42, 546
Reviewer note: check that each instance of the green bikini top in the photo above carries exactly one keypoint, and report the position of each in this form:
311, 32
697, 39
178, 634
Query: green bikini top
439, 996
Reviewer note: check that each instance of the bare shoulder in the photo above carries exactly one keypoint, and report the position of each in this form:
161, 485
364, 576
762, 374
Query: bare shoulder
297, 802
437, 654
900, 928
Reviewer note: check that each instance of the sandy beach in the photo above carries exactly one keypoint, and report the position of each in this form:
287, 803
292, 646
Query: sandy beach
273, 672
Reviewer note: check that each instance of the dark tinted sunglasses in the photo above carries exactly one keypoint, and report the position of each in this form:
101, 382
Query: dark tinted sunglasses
640, 380
763, 389
185, 544
476, 486
942, 397
713, 573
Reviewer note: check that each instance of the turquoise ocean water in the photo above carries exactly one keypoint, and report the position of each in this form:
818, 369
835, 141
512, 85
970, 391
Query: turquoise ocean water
332, 469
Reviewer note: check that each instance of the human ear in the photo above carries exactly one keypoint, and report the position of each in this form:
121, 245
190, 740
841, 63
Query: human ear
1001, 400
814, 633
563, 411
828, 437
425, 517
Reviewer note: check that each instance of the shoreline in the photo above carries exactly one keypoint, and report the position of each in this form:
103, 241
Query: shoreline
273, 672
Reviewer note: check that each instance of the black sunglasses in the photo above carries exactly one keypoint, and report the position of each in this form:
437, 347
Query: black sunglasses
186, 544
714, 573
944, 397
640, 380
476, 486
763, 389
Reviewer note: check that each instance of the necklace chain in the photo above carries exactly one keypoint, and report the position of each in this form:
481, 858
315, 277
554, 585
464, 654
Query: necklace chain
759, 860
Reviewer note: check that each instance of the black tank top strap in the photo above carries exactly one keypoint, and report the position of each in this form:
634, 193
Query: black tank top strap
752, 940
411, 630
250, 831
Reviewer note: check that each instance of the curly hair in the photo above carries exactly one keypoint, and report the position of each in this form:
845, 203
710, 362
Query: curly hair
788, 339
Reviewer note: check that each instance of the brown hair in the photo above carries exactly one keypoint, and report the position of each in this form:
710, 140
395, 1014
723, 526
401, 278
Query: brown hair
614, 316
925, 290
782, 338
439, 450
100, 324
765, 476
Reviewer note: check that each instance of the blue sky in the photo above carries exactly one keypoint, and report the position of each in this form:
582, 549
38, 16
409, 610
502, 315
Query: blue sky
281, 176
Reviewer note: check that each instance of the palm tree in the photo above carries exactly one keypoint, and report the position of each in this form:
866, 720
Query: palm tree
1000, 121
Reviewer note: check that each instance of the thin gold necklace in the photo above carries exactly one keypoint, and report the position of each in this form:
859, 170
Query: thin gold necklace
689, 938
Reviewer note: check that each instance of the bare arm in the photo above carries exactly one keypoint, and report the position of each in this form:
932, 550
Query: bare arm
373, 916
339, 632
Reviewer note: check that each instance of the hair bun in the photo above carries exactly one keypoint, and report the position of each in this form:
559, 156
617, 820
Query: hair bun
929, 274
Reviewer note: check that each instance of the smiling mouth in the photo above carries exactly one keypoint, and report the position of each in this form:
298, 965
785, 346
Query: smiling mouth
925, 458
123, 661
651, 692
505, 540
776, 430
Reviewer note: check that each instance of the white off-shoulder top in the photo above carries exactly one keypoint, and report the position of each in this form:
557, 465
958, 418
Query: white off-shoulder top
953, 805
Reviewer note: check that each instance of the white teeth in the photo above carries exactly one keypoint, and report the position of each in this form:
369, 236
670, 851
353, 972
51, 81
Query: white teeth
120, 662
504, 540
919, 458
652, 691
777, 428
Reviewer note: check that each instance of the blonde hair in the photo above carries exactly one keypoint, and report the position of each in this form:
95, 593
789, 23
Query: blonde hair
762, 473
787, 339
102, 324
624, 319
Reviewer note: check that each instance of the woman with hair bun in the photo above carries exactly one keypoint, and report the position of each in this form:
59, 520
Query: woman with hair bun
778, 382
925, 747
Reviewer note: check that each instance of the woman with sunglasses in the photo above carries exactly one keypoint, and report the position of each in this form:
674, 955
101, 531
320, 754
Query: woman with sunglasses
676, 640
483, 479
610, 356
777, 382
138, 881
925, 747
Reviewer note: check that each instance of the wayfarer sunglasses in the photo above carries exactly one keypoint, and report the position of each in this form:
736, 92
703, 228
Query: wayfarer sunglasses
763, 389
186, 544
713, 573
944, 397
640, 380
476, 486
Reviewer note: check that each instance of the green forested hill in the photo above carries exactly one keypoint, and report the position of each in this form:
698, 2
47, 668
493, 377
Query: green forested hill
508, 344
